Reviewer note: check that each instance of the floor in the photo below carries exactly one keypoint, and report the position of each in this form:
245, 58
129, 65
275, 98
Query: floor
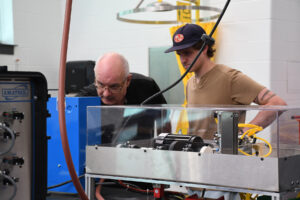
117, 194
55, 196
107, 193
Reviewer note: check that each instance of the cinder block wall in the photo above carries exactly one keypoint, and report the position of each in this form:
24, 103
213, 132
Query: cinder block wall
285, 50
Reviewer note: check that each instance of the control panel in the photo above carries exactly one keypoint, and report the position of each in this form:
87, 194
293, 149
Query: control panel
21, 138
15, 140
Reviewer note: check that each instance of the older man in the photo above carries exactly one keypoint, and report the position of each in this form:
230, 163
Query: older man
117, 86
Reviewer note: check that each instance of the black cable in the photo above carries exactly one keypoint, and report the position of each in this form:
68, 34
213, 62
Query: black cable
203, 193
206, 39
123, 126
64, 183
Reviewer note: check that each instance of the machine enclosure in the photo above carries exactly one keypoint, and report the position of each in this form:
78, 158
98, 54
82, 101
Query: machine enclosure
270, 168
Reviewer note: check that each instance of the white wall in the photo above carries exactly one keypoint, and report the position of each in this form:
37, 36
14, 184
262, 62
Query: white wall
95, 30
258, 37
244, 38
285, 50
37, 33
240, 44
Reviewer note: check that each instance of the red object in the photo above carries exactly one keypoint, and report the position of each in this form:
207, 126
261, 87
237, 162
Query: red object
159, 192
178, 38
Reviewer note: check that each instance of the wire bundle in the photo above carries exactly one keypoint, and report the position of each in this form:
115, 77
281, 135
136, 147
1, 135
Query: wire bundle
251, 133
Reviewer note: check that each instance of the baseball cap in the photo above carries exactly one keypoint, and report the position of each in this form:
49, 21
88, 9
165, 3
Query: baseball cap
186, 36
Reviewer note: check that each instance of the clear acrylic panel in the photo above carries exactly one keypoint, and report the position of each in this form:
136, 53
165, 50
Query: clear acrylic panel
217, 128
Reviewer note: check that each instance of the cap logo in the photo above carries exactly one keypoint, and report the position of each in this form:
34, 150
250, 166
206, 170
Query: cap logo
178, 38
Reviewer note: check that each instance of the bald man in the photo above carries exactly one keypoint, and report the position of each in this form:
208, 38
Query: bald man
117, 86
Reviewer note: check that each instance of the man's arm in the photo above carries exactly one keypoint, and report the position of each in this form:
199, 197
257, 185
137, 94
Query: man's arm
266, 97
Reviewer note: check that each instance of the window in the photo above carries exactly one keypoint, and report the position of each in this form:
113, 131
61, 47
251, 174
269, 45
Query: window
6, 22
6, 27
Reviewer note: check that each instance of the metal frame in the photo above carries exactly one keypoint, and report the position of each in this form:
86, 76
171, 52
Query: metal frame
269, 176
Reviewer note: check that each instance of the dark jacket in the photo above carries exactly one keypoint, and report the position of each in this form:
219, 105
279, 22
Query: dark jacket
140, 88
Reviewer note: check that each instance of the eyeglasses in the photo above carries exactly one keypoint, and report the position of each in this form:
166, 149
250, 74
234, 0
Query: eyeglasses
115, 88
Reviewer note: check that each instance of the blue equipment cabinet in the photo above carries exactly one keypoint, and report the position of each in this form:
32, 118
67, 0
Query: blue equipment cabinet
76, 122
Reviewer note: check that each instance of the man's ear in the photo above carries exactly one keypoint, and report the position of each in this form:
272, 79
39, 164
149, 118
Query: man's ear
205, 49
129, 77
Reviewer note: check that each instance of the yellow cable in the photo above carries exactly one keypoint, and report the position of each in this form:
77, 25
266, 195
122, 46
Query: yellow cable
251, 132
259, 138
248, 125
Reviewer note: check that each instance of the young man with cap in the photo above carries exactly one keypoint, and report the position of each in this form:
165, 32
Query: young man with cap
215, 83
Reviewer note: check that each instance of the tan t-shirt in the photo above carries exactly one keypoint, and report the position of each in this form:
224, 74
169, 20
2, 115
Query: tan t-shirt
222, 85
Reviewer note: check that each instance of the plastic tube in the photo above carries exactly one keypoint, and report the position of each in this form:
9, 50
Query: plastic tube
61, 102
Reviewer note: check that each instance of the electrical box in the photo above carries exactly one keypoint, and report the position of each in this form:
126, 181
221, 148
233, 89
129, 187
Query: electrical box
23, 141
76, 120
